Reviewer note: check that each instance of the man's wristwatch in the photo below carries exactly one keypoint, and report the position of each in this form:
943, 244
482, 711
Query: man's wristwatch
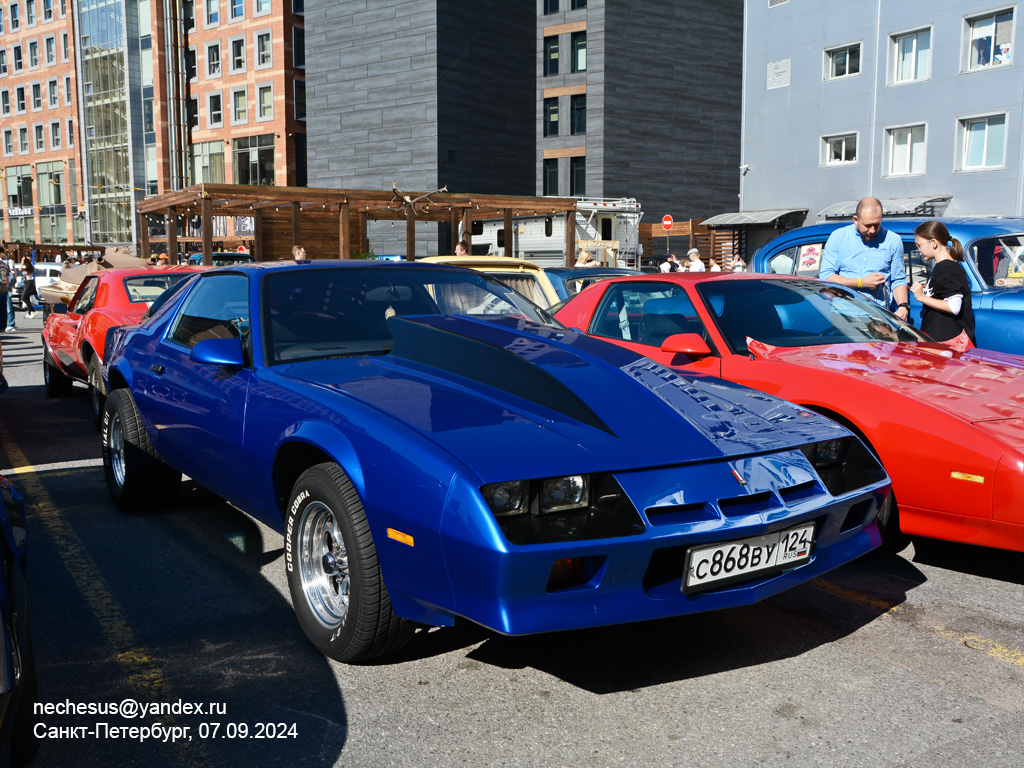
904, 305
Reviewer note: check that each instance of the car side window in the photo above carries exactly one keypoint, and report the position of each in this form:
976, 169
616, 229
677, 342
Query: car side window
646, 313
782, 262
918, 270
86, 298
217, 308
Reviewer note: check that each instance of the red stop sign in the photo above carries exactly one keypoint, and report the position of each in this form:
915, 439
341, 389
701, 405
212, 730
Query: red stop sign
667, 223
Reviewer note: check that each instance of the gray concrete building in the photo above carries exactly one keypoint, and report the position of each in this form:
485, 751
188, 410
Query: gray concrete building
916, 102
560, 97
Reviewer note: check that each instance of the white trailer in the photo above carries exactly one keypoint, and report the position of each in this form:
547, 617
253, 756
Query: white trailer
541, 239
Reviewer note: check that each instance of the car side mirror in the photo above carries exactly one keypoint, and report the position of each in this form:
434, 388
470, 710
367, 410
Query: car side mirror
686, 344
224, 352
59, 308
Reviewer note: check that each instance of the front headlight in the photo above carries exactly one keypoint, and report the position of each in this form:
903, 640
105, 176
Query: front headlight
560, 493
844, 464
565, 508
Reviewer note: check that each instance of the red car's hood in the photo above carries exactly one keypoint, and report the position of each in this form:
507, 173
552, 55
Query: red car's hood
978, 385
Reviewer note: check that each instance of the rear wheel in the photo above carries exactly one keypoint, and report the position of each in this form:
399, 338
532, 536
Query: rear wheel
333, 574
96, 396
136, 478
56, 383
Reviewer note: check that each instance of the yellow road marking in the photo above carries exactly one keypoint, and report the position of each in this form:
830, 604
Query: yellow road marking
145, 677
976, 642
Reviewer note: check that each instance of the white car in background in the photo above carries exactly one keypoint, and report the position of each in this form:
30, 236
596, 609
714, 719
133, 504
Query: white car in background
47, 272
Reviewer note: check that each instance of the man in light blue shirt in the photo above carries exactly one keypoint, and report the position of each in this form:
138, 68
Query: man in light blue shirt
868, 257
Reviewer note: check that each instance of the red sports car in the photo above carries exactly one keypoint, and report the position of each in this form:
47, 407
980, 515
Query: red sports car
73, 336
948, 427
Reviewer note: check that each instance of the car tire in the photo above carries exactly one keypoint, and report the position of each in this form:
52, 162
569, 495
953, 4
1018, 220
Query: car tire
56, 383
339, 596
134, 472
24, 743
893, 539
96, 396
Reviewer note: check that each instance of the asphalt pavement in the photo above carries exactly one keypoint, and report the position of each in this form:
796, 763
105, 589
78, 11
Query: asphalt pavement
913, 660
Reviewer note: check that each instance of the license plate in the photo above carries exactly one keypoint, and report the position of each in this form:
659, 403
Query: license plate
716, 564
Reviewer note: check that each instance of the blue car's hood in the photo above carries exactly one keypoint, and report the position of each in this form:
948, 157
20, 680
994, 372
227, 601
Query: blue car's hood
486, 392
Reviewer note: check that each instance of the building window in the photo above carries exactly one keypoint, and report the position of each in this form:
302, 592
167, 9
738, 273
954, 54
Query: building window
550, 6
577, 176
19, 99
52, 94
551, 117
212, 12
906, 150
47, 10
264, 50
237, 55
214, 110
840, 150
51, 51
188, 14
190, 63
192, 112
3, 61
1, 20
55, 135
15, 18
213, 60
207, 162
551, 55
990, 40
578, 114
239, 106
71, 132
37, 96
299, 6
254, 160
237, 9
33, 54
67, 90
912, 56
550, 180
844, 61
265, 102
579, 51
260, 7
16, 55
8, 141
30, 12
300, 99
64, 46
5, 102
299, 47
578, 4
984, 142
23, 140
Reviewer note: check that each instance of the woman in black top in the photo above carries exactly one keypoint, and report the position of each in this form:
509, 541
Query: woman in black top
946, 313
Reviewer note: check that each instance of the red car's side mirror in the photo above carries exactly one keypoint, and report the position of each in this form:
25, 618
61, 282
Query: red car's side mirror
686, 344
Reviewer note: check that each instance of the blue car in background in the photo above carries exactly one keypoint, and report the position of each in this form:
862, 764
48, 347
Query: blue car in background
994, 266
432, 446
18, 742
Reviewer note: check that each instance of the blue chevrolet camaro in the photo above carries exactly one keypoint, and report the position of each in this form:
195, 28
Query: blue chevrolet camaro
434, 446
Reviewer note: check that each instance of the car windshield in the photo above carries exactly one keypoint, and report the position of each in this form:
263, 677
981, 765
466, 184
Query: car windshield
797, 313
149, 287
1000, 260
525, 283
320, 313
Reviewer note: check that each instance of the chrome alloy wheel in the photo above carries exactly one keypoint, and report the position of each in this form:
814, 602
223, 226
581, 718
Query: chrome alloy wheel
323, 565
115, 443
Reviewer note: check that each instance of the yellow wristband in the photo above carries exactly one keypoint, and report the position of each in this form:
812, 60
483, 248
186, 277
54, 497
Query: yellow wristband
859, 284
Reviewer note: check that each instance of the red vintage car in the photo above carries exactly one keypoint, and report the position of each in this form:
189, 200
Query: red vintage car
948, 427
73, 336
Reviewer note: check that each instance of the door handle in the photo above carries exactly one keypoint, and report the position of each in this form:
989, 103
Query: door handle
157, 369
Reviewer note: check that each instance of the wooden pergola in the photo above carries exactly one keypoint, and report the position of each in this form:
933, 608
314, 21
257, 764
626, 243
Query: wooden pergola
333, 221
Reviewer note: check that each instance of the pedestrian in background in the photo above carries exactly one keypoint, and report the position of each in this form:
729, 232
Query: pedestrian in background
298, 253
28, 288
946, 313
462, 248
670, 264
6, 287
696, 265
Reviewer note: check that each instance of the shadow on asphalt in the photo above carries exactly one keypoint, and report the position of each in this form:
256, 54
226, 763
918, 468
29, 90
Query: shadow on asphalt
999, 564
187, 578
